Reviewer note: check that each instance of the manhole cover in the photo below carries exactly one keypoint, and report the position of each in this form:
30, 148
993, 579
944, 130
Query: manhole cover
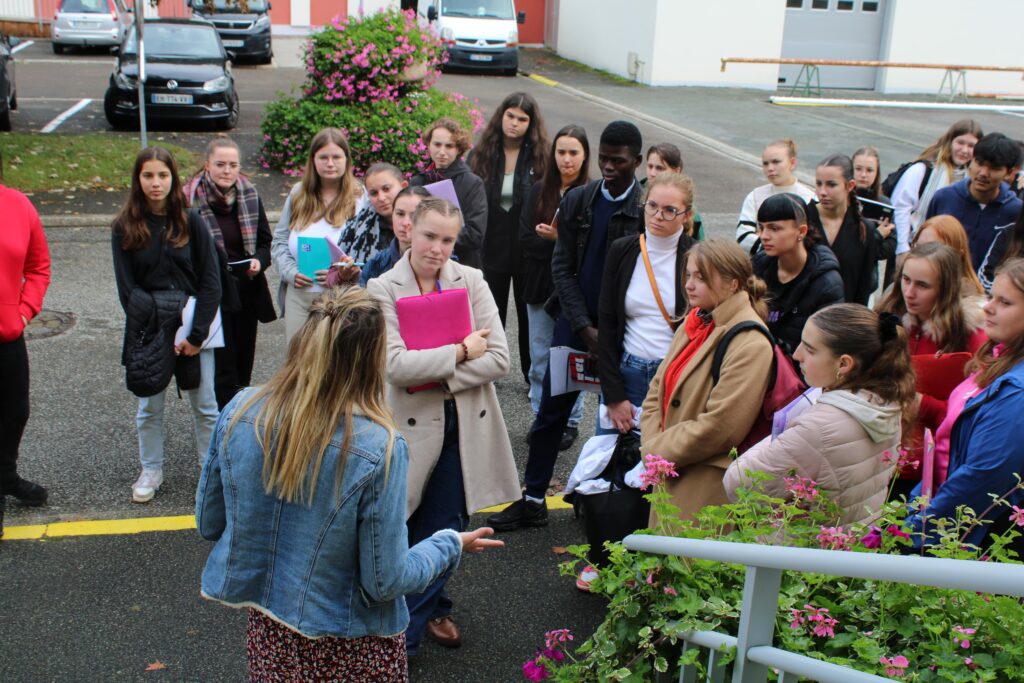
49, 324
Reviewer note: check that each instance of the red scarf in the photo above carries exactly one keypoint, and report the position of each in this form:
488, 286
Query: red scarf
697, 331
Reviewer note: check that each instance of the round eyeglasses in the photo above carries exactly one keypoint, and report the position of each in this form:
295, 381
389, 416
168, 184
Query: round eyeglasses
669, 213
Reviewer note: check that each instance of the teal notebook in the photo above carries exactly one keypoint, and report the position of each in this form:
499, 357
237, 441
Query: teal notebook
314, 255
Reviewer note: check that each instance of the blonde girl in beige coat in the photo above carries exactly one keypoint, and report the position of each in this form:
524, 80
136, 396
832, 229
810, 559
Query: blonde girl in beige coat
848, 441
687, 419
460, 457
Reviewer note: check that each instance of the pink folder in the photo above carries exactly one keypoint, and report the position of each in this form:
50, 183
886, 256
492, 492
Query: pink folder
429, 321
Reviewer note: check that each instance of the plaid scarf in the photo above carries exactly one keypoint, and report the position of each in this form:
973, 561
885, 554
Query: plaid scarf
204, 194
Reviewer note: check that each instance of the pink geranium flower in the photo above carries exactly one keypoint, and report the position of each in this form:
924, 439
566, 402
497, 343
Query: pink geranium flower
962, 636
534, 671
656, 470
1017, 516
872, 539
894, 666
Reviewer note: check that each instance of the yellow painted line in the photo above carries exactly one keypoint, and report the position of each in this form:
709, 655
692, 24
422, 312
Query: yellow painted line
554, 503
141, 525
99, 527
543, 80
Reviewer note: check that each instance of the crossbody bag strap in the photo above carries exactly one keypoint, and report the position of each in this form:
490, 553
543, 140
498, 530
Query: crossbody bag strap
672, 323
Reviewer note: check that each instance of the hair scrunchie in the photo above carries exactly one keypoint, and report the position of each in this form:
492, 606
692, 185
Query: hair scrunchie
887, 324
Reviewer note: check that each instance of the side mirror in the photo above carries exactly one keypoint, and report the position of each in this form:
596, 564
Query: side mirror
269, 7
521, 18
432, 13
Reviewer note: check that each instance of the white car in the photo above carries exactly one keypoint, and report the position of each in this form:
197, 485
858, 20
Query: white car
83, 23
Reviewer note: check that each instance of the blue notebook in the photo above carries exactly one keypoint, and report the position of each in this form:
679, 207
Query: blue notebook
314, 255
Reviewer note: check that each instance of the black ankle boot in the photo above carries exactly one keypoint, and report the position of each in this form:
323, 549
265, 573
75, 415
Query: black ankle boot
26, 492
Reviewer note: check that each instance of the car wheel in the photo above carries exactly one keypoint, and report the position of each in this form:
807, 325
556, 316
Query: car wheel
267, 59
14, 100
231, 120
5, 120
117, 121
511, 71
57, 49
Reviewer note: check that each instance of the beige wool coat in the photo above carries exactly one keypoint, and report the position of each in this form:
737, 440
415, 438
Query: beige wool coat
847, 442
488, 468
705, 422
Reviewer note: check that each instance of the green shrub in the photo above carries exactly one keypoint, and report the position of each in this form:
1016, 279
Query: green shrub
372, 78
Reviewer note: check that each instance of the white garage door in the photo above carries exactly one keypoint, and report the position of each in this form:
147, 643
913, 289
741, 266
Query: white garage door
833, 29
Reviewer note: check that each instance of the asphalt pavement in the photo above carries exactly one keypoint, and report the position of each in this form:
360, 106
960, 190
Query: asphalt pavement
99, 608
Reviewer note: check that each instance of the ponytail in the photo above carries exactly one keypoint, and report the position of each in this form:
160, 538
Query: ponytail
845, 166
731, 262
880, 349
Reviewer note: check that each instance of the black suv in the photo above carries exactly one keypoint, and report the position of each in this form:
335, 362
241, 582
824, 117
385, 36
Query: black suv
246, 34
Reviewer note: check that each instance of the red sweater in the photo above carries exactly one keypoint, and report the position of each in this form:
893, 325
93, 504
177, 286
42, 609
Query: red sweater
932, 409
24, 263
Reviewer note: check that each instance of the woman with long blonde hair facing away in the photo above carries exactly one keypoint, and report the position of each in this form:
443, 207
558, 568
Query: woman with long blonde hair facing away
445, 404
304, 493
318, 206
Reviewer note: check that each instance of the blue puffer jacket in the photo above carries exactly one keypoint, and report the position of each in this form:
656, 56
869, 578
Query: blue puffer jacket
339, 566
987, 451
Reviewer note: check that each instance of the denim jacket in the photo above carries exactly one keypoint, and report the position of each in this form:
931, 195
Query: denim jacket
339, 566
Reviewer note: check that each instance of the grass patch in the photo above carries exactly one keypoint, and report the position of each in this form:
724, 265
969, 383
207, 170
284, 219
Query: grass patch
573, 65
38, 162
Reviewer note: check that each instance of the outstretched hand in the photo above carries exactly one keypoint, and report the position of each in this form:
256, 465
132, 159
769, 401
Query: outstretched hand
476, 541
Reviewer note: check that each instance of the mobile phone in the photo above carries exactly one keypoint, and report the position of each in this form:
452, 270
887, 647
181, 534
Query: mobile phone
554, 221
878, 211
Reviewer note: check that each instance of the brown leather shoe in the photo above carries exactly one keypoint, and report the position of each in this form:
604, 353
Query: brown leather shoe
445, 632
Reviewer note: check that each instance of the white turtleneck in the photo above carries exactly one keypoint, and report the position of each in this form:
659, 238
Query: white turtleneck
647, 334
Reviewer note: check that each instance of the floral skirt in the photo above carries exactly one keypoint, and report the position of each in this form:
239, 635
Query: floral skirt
278, 654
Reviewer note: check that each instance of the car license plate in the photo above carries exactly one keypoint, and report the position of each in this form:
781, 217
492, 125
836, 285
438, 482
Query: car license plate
233, 43
86, 24
172, 99
480, 58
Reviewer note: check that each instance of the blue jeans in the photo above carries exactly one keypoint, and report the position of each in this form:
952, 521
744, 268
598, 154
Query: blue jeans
637, 374
150, 418
542, 327
443, 506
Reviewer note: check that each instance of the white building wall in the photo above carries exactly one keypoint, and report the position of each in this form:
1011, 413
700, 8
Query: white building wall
371, 6
18, 9
954, 32
602, 33
692, 36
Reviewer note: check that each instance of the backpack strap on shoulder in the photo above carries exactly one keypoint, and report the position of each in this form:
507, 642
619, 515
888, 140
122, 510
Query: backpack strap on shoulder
723, 346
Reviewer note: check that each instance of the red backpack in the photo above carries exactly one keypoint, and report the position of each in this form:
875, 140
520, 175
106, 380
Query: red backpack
784, 384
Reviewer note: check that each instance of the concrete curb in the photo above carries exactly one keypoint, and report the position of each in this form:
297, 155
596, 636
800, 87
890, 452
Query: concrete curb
711, 144
103, 220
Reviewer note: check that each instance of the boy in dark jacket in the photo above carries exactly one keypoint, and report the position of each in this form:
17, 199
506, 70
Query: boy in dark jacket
591, 217
982, 201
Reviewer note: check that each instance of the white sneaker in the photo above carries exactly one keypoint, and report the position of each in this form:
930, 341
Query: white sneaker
146, 486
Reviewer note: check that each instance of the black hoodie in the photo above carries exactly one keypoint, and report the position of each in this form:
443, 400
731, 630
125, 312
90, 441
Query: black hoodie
472, 200
818, 285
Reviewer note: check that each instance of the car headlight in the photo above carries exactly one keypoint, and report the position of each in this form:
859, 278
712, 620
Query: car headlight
123, 81
513, 37
263, 21
447, 34
220, 83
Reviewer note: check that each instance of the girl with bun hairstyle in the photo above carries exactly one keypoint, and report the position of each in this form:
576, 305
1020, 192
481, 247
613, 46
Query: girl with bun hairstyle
860, 360
687, 418
778, 163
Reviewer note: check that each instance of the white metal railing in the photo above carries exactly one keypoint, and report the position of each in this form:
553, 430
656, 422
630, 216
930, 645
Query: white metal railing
758, 613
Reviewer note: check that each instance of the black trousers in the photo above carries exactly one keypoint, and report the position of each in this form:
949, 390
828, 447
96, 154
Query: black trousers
499, 283
13, 406
234, 362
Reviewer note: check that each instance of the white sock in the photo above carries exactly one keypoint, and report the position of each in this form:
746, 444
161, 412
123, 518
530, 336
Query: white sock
538, 501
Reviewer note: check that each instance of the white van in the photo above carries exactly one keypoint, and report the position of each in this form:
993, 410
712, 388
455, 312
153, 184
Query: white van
481, 34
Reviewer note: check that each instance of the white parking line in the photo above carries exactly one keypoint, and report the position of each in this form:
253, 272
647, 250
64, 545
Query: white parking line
22, 46
104, 62
52, 125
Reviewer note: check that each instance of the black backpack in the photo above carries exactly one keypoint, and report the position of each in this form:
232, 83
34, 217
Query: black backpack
891, 180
